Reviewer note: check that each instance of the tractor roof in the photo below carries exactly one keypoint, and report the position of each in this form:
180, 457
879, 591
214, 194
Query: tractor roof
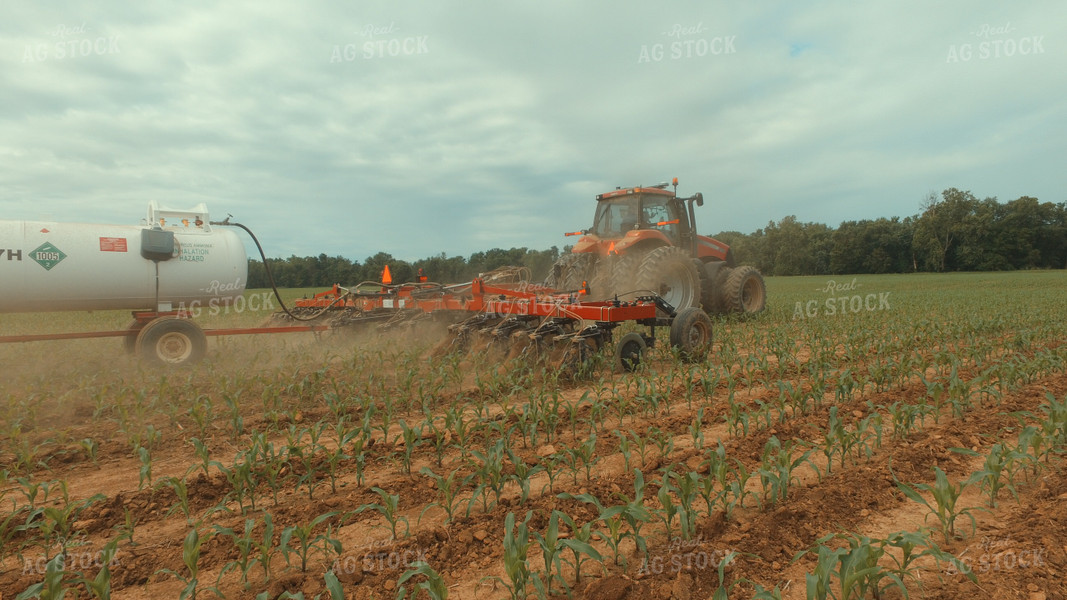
634, 190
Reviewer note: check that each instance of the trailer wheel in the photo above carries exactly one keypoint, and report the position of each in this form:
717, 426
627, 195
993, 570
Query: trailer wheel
629, 351
129, 343
691, 333
172, 341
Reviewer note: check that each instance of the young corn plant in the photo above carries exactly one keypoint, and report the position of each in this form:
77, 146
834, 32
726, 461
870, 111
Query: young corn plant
997, 472
434, 585
412, 437
191, 558
516, 566
55, 585
522, 475
776, 469
580, 544
181, 493
246, 547
727, 475
447, 493
489, 475
304, 540
945, 506
388, 507
99, 586
696, 429
551, 549
856, 569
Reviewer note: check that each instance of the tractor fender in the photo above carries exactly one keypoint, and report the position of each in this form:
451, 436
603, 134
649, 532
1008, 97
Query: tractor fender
643, 239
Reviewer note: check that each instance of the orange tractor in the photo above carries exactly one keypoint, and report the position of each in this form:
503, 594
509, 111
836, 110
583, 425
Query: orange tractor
644, 240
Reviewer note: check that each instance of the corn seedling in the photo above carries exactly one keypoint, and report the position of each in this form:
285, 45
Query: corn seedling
945, 501
447, 493
516, 547
434, 585
303, 541
246, 547
522, 475
191, 559
388, 507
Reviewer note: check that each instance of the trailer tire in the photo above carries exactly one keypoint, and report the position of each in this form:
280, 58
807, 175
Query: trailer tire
691, 333
171, 341
129, 342
629, 352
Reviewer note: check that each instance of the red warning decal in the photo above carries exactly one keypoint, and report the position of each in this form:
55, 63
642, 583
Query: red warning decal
111, 244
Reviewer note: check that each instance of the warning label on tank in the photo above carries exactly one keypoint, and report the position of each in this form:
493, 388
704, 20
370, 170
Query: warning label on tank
47, 255
194, 251
112, 244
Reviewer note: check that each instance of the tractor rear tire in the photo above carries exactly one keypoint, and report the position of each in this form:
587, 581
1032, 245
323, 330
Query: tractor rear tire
712, 280
615, 276
691, 333
744, 291
669, 272
570, 271
558, 270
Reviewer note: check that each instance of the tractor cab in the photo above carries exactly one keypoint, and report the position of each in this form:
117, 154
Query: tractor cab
623, 211
654, 216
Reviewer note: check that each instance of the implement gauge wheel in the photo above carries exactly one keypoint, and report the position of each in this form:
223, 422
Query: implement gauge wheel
172, 341
691, 333
629, 351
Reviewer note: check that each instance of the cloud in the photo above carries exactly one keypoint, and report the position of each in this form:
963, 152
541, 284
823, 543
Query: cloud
420, 128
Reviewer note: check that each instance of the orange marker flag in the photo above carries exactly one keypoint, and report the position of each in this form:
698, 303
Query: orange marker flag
387, 277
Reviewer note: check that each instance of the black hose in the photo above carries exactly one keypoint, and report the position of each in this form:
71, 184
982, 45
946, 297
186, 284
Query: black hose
270, 275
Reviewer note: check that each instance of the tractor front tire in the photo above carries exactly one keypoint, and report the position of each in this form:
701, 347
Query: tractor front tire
744, 291
669, 272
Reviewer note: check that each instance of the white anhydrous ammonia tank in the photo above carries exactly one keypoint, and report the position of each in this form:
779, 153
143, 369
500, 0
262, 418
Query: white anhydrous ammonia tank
47, 266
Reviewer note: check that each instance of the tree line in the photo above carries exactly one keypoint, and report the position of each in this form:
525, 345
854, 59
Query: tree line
954, 232
324, 271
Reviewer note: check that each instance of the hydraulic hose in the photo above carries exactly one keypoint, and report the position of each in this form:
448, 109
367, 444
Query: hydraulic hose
270, 275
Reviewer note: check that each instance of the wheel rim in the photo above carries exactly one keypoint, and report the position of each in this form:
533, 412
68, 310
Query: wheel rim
676, 288
174, 347
630, 355
751, 294
697, 335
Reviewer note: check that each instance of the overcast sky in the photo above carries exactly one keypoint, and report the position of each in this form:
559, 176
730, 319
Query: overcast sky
422, 127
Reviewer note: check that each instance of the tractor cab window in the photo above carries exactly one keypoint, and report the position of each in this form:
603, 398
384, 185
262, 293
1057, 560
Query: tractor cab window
655, 210
615, 217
